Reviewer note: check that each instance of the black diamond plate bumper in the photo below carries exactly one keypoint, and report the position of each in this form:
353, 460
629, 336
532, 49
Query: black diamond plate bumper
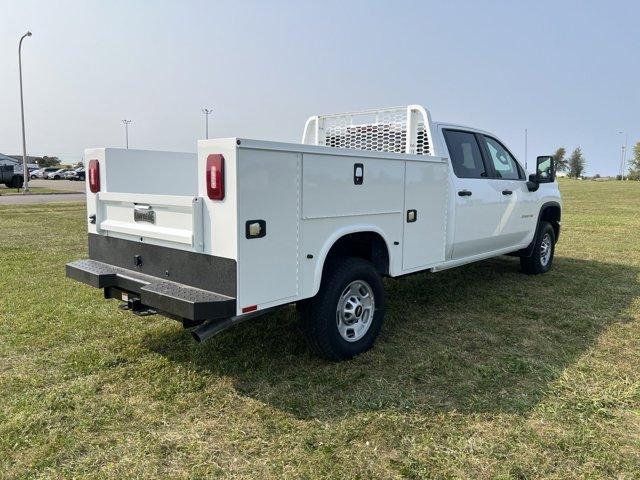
162, 295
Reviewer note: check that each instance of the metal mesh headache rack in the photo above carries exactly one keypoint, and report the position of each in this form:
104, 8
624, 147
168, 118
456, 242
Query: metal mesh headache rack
395, 129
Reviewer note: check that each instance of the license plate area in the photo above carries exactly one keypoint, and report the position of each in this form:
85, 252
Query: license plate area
144, 213
175, 220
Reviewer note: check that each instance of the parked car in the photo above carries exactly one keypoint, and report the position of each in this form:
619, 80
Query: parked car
36, 173
78, 174
57, 175
249, 225
44, 172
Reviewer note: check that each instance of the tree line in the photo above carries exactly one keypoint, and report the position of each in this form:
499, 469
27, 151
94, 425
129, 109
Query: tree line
575, 164
634, 171
46, 161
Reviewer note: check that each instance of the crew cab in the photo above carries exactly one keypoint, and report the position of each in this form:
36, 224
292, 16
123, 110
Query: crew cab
245, 226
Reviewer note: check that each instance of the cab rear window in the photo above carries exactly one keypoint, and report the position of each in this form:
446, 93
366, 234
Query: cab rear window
464, 151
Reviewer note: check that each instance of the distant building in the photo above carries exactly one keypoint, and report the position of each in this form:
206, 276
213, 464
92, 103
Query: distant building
30, 158
17, 164
8, 160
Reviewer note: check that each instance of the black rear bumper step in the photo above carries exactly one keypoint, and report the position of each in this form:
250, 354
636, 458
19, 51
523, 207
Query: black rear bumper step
162, 295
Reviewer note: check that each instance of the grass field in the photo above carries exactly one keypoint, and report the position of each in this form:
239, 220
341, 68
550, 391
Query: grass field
480, 371
33, 190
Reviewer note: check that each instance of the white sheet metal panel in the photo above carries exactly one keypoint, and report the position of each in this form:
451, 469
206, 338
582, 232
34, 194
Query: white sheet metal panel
165, 180
269, 190
151, 172
329, 189
426, 192
92, 198
219, 217
178, 219
320, 234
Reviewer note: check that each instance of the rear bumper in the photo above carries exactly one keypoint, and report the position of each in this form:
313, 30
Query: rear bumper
167, 297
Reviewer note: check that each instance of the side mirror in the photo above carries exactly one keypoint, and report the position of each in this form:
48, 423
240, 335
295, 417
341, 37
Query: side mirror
545, 169
545, 173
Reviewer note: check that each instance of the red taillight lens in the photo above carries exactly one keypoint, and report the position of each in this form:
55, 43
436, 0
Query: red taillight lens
94, 176
215, 176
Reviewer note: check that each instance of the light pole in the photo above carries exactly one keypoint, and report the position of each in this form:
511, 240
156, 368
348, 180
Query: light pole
25, 170
525, 150
126, 131
207, 112
623, 162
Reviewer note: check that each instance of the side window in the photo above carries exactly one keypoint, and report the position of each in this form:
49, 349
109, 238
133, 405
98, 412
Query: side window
504, 164
465, 154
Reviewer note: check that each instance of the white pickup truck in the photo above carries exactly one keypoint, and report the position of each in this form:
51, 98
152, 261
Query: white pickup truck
243, 226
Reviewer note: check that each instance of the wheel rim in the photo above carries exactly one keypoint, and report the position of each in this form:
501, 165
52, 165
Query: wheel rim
545, 249
355, 311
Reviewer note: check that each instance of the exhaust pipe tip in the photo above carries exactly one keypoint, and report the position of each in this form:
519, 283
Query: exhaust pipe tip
204, 332
196, 336
207, 330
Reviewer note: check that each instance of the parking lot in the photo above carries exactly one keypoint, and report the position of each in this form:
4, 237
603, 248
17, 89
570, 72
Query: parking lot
59, 185
44, 191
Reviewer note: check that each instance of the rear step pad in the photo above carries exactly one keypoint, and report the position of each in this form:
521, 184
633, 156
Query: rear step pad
162, 295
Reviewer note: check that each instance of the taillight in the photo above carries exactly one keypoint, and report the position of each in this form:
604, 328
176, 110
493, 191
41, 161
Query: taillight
215, 176
94, 176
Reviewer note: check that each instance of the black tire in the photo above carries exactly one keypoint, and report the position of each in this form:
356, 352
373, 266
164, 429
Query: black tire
319, 315
536, 264
16, 182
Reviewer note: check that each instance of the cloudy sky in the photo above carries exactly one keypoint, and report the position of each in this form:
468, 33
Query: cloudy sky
567, 71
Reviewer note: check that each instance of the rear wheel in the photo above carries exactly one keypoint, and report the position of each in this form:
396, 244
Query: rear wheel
345, 317
16, 182
543, 249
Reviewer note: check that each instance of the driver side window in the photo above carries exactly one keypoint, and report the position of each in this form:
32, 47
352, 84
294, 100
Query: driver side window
504, 164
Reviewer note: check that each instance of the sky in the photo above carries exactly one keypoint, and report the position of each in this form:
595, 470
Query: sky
567, 71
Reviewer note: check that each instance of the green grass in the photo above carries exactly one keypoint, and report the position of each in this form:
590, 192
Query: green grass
32, 190
480, 371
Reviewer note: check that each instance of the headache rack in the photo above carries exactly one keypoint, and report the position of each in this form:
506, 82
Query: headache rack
395, 129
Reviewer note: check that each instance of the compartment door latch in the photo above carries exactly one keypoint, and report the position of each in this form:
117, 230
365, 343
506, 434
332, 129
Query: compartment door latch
358, 173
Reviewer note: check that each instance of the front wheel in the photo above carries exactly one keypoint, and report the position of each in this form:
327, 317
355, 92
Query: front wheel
345, 317
543, 249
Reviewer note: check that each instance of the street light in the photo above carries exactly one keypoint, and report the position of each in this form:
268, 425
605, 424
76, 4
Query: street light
525, 148
25, 170
623, 162
207, 112
126, 131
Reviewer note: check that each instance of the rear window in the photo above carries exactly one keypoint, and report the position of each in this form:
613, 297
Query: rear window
464, 151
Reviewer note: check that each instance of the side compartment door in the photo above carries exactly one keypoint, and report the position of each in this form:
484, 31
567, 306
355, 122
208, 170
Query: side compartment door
268, 226
425, 214
477, 207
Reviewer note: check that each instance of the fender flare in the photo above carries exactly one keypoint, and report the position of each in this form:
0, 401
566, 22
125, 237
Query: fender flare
527, 252
331, 241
